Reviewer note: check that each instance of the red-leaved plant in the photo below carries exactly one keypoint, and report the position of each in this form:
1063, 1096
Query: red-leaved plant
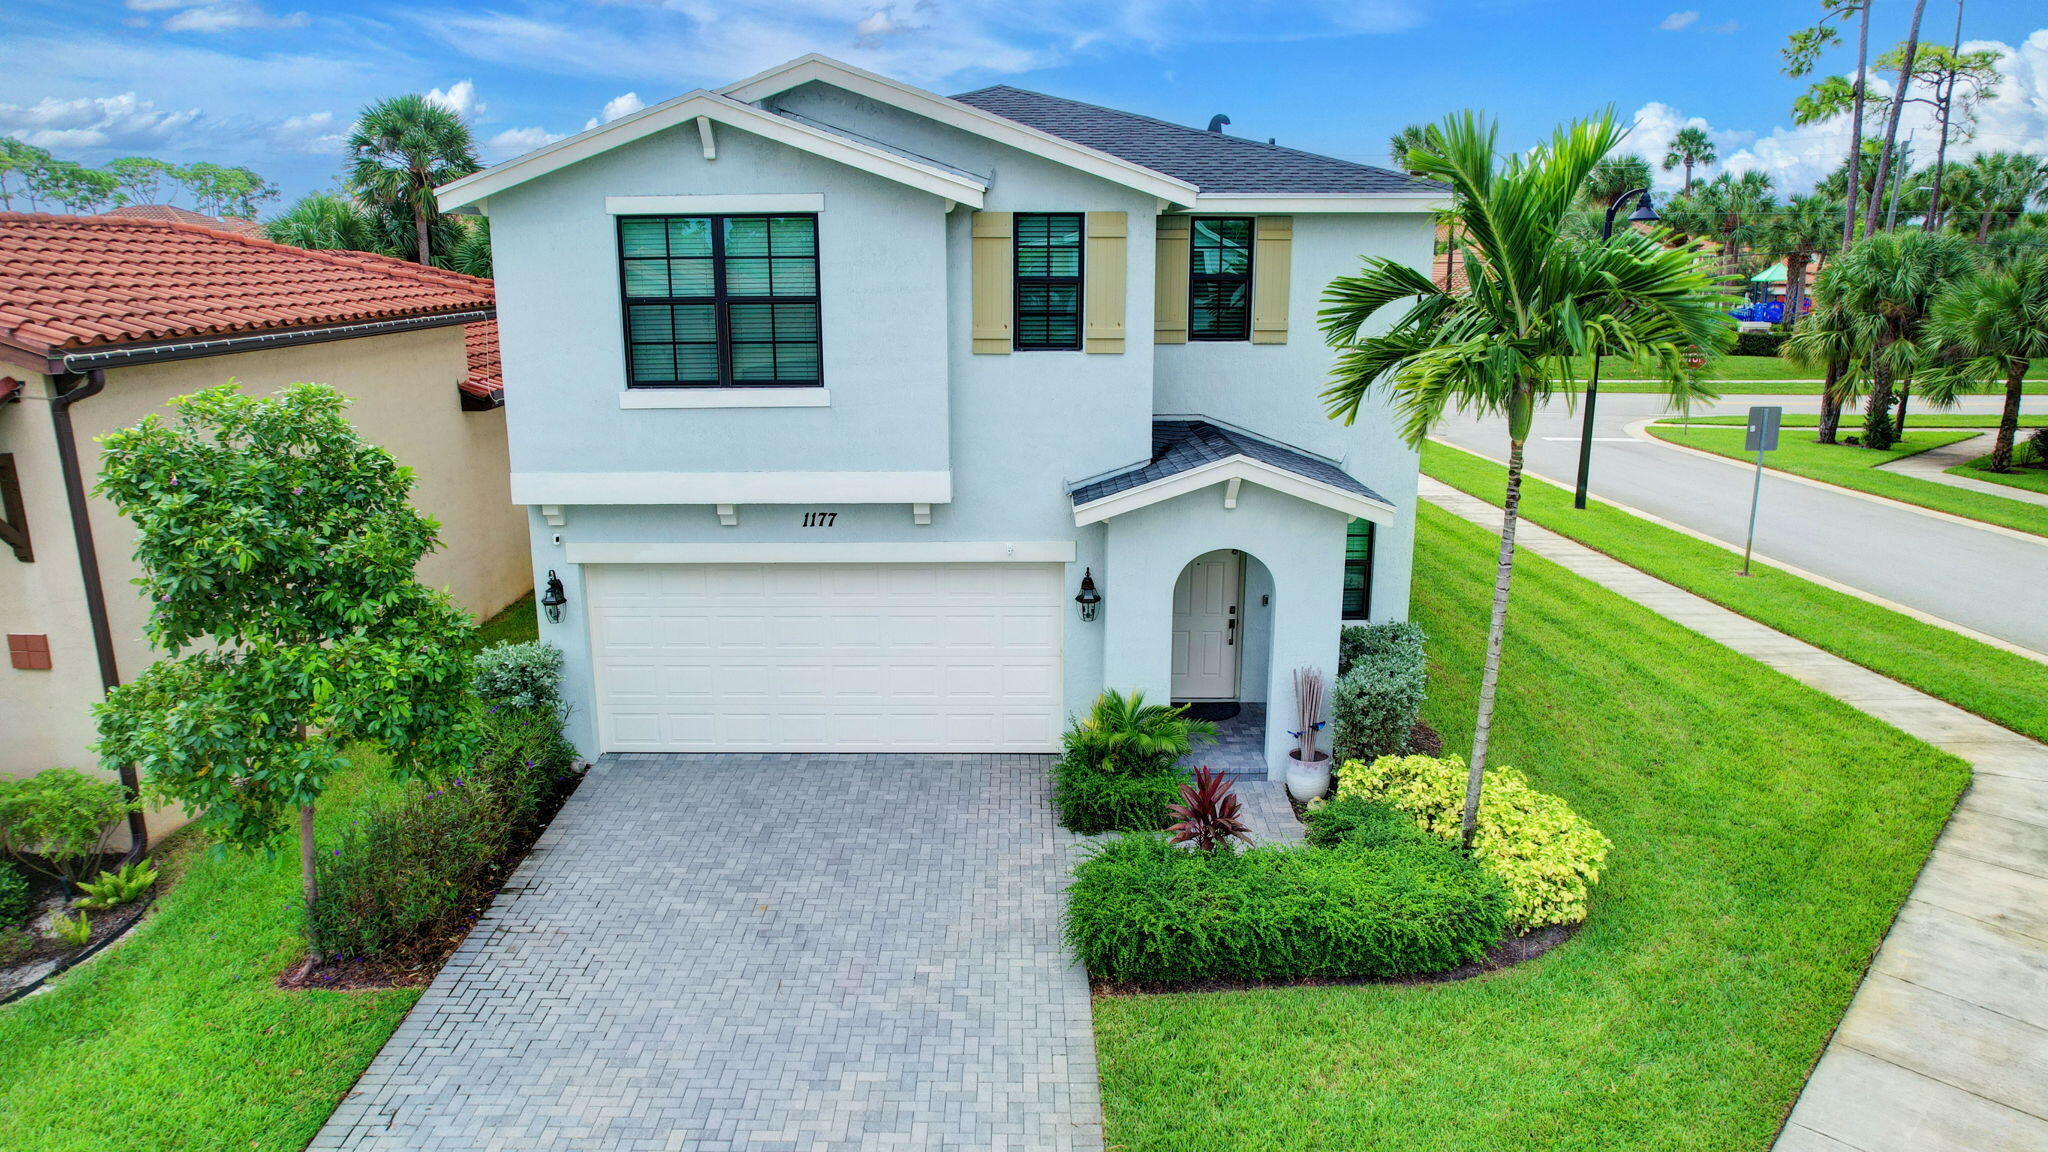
1207, 812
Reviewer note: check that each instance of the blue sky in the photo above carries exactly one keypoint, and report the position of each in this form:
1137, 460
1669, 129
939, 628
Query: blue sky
274, 83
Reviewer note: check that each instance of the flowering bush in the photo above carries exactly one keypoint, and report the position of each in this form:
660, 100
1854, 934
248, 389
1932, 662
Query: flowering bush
1548, 856
403, 871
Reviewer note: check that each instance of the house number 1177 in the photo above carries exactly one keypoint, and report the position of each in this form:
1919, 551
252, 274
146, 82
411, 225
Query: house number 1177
820, 519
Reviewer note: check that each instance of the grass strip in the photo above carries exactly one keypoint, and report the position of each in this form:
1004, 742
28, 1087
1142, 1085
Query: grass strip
1852, 423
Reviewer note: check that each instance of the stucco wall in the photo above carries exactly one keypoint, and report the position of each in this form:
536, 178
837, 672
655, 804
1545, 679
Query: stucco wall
404, 397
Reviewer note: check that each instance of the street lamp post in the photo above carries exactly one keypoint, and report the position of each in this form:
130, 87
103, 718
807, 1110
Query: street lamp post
1645, 211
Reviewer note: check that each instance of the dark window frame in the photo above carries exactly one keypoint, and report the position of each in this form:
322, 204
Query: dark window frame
1363, 565
720, 300
1197, 278
1018, 280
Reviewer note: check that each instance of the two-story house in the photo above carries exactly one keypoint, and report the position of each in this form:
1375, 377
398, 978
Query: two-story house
844, 403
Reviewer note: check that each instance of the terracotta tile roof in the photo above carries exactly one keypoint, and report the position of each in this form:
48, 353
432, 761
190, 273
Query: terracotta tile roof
171, 212
485, 385
76, 282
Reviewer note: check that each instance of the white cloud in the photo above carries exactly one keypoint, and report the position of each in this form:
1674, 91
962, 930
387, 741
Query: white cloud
316, 132
514, 141
1726, 28
460, 98
1656, 123
1678, 20
124, 121
622, 105
159, 5
232, 16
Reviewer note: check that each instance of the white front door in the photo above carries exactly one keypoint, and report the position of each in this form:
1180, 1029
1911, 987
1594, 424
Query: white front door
826, 658
1206, 619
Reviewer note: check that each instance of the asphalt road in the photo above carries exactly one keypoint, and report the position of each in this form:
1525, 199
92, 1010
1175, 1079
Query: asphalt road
1982, 579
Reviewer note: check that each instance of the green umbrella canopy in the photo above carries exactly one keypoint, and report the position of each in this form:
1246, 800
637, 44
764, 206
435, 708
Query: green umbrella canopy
1775, 274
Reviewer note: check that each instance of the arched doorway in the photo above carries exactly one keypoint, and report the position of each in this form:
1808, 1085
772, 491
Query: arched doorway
1222, 632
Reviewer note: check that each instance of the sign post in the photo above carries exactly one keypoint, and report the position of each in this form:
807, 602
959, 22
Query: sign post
1760, 437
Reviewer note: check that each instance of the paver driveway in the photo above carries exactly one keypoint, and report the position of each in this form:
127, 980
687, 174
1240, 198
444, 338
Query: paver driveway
760, 952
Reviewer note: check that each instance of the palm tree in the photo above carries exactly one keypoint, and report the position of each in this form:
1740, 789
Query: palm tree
402, 148
1826, 339
1888, 283
471, 255
1614, 176
325, 220
1688, 148
1999, 186
1400, 143
1809, 226
1536, 301
1989, 327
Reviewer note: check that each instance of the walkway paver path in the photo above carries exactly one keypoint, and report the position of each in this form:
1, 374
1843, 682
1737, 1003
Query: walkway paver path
1934, 463
1945, 1047
716, 953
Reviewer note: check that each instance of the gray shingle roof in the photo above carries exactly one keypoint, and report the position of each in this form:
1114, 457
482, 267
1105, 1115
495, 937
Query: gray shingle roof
1217, 163
1182, 445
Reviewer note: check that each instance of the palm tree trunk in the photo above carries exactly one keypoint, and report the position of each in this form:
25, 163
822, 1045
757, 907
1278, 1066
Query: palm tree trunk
1496, 630
1984, 226
1795, 285
419, 224
1891, 131
1877, 411
2009, 416
1905, 393
1856, 128
1948, 96
308, 857
1831, 403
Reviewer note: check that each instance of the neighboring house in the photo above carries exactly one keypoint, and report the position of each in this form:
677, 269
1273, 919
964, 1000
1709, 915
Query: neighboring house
835, 394
172, 214
104, 319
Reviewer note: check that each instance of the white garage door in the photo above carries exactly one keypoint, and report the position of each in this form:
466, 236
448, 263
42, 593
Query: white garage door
827, 657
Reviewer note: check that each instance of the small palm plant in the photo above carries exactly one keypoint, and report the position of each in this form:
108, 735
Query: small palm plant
1139, 736
1536, 303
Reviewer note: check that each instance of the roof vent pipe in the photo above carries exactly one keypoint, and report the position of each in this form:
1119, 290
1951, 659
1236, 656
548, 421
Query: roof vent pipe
1217, 122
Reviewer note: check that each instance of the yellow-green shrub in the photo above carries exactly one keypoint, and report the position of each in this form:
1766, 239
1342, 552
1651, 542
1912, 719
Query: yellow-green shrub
1548, 855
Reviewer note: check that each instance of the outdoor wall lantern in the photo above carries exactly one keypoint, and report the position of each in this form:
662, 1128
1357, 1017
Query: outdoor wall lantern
553, 598
1089, 599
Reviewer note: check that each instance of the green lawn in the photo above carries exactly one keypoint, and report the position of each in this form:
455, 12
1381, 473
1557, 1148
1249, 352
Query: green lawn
1739, 374
1995, 684
178, 1036
1764, 836
1854, 421
1851, 466
516, 624
2031, 479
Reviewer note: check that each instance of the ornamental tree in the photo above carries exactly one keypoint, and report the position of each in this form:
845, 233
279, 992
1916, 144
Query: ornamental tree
277, 552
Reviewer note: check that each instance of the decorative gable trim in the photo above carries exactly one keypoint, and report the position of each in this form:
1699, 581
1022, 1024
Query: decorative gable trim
1233, 470
964, 117
940, 182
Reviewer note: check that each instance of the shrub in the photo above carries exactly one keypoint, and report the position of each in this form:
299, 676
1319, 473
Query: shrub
1123, 733
403, 872
1092, 799
1366, 823
14, 900
524, 762
75, 929
1548, 856
1143, 910
1757, 343
1120, 768
1379, 696
1206, 815
116, 887
61, 815
525, 675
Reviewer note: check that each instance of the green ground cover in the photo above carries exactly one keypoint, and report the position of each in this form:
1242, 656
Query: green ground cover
1853, 466
178, 1037
1915, 419
1739, 374
1998, 685
2033, 478
1764, 836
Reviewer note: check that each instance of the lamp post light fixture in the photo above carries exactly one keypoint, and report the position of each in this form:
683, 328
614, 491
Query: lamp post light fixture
1089, 599
553, 598
1645, 213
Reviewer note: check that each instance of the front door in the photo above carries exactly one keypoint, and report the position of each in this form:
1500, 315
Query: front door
1206, 617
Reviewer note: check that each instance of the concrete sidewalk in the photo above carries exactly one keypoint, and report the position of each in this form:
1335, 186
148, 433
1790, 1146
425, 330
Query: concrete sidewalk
1945, 1048
1934, 463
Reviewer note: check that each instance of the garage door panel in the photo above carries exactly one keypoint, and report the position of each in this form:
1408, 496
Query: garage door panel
853, 658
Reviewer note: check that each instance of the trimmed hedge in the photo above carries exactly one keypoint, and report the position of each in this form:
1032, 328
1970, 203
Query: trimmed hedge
1378, 695
1758, 343
14, 903
405, 872
1144, 911
1366, 823
1548, 855
1092, 799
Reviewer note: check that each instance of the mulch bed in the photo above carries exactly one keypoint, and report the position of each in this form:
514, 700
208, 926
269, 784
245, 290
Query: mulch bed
48, 956
416, 965
1506, 954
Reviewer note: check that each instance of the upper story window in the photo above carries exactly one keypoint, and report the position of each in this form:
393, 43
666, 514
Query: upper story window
1220, 279
720, 301
1048, 280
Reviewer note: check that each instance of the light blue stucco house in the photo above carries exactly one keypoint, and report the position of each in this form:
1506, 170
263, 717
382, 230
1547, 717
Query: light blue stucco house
835, 394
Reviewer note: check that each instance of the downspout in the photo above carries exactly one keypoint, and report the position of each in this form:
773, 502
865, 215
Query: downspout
73, 387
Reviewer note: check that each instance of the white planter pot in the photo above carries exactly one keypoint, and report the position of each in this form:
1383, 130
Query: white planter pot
1306, 782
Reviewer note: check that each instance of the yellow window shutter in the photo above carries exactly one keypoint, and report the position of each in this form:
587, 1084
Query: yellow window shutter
1272, 259
993, 257
1170, 282
1102, 300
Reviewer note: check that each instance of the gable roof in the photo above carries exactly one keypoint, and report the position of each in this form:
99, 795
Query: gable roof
715, 108
1190, 453
77, 283
173, 213
1214, 162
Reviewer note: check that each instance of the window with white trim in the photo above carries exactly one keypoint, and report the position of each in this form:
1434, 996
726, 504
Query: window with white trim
720, 301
